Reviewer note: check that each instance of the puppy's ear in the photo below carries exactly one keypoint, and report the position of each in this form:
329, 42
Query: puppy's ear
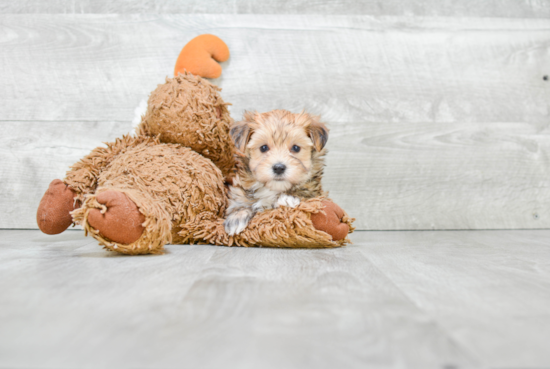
318, 133
240, 134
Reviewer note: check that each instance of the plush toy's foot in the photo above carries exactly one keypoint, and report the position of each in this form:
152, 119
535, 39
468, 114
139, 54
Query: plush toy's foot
121, 221
330, 221
53, 215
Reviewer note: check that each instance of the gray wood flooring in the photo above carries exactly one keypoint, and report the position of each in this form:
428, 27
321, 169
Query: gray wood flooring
440, 299
437, 122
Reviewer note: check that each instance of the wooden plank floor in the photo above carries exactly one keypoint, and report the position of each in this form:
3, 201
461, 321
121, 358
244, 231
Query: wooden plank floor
441, 299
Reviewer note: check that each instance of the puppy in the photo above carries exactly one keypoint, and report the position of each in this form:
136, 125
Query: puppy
280, 160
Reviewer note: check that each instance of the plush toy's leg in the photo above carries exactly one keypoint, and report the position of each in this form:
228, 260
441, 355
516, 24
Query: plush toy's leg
281, 227
54, 212
126, 221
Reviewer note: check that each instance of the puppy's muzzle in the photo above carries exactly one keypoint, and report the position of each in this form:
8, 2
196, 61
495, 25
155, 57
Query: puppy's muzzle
279, 169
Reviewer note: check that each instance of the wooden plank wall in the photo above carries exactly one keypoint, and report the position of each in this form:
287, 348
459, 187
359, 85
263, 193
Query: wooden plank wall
445, 8
438, 110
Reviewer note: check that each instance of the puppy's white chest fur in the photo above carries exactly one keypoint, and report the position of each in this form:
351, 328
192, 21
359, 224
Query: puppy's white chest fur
287, 200
264, 198
243, 207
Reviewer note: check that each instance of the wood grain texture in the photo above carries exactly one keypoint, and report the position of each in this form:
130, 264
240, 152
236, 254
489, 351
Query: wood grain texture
387, 175
441, 175
437, 123
489, 290
207, 307
347, 68
445, 299
453, 8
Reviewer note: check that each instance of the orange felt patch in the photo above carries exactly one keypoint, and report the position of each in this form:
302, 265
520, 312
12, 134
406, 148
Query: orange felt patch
200, 54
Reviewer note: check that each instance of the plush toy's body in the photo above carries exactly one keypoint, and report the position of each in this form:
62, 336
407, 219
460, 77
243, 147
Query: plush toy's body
166, 184
157, 170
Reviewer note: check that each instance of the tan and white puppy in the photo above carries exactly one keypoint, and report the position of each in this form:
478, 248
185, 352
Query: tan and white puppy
280, 161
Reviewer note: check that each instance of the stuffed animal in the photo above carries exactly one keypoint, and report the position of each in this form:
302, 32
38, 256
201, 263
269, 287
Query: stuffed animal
167, 183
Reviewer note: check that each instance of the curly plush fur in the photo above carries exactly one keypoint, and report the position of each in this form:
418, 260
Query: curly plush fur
188, 110
169, 183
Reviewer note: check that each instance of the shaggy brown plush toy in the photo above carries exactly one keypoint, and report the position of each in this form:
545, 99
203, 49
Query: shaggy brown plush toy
166, 184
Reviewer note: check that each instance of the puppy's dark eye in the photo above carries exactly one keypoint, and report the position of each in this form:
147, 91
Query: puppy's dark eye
296, 148
264, 148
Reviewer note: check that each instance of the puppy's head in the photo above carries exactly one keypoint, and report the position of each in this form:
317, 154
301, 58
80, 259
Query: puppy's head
282, 148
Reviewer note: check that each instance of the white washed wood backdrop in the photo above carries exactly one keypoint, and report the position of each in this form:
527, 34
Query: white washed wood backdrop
438, 110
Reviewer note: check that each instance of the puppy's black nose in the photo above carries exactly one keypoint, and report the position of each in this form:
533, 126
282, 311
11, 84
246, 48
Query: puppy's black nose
279, 168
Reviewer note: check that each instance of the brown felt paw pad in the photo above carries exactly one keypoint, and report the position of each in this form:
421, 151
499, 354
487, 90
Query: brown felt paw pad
330, 221
53, 214
121, 222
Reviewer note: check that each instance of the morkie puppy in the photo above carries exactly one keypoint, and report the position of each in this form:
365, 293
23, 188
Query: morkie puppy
280, 161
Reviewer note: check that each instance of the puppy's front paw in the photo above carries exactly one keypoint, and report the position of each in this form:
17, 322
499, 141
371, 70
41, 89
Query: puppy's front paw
237, 221
287, 200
